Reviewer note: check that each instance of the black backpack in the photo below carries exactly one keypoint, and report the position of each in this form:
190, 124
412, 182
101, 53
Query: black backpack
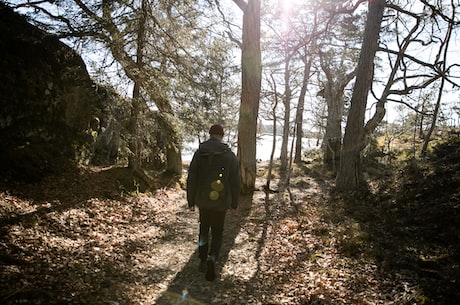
213, 170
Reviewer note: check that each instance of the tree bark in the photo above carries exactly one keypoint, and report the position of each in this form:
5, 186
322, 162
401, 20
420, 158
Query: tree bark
333, 94
250, 93
287, 116
350, 176
134, 158
272, 154
300, 110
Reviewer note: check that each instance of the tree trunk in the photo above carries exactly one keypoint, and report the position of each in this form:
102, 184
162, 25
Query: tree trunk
332, 140
272, 154
336, 81
250, 93
174, 160
170, 127
287, 117
299, 112
349, 176
134, 158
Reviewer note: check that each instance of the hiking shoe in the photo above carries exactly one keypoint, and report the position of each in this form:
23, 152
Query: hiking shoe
211, 269
203, 266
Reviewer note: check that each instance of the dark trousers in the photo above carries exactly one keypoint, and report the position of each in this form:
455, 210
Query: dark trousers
210, 221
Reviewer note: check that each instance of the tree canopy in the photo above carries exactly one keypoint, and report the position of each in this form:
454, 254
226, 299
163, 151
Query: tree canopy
180, 60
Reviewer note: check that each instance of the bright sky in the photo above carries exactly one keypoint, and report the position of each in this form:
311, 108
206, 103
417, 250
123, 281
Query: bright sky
288, 4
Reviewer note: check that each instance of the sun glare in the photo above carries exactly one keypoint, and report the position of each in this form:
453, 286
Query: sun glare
290, 4
288, 9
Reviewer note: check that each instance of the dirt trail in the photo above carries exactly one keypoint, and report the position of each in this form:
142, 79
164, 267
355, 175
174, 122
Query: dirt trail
76, 239
80, 239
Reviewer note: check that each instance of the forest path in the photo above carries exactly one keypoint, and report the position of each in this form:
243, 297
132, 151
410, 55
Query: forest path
257, 244
79, 238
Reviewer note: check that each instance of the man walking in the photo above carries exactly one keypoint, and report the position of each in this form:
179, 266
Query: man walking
213, 184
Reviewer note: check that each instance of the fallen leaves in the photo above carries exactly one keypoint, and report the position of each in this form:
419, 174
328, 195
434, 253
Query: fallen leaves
87, 251
91, 244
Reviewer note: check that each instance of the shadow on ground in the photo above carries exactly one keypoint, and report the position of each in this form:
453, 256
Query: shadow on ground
76, 239
190, 286
409, 227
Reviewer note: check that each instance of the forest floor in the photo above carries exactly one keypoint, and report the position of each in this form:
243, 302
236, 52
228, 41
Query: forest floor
82, 238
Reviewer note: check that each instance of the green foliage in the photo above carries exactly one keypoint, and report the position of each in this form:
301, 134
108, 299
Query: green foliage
213, 96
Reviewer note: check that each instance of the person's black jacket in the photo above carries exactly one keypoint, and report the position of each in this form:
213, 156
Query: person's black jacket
213, 180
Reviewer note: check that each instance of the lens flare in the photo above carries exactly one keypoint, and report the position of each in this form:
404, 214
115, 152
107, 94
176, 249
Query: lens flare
184, 294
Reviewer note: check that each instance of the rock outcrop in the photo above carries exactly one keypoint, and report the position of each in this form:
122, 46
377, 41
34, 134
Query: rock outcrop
47, 100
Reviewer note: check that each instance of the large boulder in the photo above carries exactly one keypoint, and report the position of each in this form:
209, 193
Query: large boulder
47, 100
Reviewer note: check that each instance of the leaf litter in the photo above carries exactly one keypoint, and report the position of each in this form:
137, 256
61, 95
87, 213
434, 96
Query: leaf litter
79, 239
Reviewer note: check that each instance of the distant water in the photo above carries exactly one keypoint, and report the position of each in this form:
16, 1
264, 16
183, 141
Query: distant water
264, 147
